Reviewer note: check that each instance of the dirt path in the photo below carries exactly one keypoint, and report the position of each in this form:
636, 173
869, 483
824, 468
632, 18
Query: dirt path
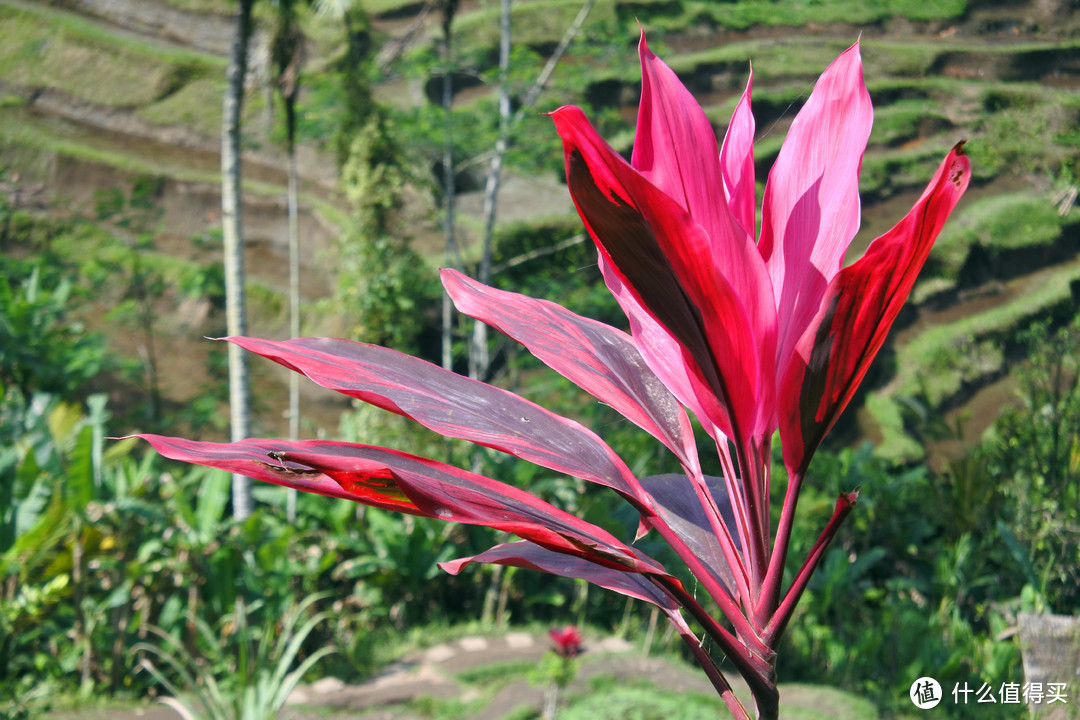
486, 678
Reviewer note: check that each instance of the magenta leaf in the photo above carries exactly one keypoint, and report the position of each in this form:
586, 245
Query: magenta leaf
532, 556
600, 359
452, 405
395, 480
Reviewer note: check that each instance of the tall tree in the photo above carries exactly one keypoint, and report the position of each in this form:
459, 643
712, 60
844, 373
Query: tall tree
233, 239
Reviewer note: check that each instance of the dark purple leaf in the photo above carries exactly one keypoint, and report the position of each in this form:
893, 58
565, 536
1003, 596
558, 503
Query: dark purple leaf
677, 504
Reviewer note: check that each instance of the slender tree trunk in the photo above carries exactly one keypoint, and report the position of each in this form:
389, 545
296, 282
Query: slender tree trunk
286, 55
541, 80
233, 237
294, 285
479, 359
453, 259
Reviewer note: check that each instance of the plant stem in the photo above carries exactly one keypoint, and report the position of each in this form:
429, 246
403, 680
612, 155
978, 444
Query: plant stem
783, 613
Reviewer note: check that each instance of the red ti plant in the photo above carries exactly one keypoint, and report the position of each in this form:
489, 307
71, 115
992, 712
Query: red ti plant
559, 665
567, 641
755, 330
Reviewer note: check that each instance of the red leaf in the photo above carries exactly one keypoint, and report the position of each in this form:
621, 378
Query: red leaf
858, 309
599, 358
452, 405
398, 481
668, 263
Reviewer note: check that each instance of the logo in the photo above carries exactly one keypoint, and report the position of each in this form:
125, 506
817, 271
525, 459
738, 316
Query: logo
925, 693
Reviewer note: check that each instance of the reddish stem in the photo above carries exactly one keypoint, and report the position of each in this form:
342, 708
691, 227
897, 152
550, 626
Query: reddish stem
715, 676
784, 611
756, 666
769, 597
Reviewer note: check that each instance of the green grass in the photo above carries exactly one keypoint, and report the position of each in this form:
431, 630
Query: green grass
19, 129
496, 673
907, 120
772, 60
1003, 222
925, 351
211, 7
940, 360
534, 24
196, 105
43, 48
633, 702
76, 58
29, 133
641, 700
49, 22
747, 13
381, 7
34, 55
893, 444
887, 172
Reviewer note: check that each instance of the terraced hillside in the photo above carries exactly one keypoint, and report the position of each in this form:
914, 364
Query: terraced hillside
97, 94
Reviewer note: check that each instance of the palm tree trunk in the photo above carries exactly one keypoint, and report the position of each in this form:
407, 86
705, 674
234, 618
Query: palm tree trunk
233, 237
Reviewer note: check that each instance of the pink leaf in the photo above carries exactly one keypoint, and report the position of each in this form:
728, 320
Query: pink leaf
857, 311
737, 163
675, 145
600, 359
811, 205
452, 405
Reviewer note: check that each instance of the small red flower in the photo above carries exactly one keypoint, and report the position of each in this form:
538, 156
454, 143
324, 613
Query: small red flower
567, 640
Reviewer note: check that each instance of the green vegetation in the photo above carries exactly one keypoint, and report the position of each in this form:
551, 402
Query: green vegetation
1005, 222
536, 23
196, 105
78, 59
938, 364
643, 703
